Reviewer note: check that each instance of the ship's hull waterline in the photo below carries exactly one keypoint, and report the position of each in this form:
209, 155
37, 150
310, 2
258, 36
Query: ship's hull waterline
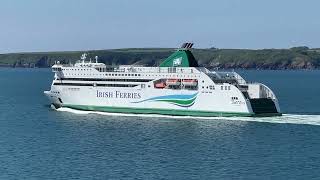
166, 111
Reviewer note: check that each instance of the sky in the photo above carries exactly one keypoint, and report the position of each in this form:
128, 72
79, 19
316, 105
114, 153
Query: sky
66, 25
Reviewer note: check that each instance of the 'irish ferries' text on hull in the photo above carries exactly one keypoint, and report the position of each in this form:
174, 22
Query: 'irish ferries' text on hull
177, 87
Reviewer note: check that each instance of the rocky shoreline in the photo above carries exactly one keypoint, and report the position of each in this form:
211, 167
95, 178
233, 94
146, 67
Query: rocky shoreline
213, 58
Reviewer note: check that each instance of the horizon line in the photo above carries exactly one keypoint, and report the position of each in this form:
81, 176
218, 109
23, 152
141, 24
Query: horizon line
112, 49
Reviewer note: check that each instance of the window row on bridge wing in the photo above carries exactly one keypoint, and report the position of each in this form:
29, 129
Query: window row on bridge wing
56, 69
94, 84
99, 79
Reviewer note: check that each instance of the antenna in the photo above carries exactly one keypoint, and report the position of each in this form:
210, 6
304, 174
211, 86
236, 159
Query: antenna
83, 57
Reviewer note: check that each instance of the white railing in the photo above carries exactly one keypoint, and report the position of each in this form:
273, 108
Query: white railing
183, 70
225, 76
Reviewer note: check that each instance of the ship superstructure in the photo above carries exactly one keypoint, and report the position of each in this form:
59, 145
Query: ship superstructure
177, 87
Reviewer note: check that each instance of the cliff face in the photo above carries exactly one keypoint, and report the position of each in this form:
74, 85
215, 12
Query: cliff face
294, 58
266, 65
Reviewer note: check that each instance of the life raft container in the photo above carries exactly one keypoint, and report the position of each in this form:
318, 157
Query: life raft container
173, 82
190, 82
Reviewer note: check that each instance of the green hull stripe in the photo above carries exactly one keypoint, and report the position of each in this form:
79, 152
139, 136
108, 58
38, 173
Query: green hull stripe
187, 102
157, 111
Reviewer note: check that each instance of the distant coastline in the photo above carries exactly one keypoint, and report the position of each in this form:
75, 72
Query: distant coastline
293, 58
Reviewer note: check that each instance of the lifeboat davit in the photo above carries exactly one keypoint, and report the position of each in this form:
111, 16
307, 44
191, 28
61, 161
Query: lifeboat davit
190, 82
173, 82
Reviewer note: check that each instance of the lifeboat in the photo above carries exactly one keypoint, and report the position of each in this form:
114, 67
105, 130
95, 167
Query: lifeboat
173, 82
190, 82
160, 85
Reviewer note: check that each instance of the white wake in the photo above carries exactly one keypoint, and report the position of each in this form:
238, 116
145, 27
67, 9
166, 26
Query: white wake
285, 118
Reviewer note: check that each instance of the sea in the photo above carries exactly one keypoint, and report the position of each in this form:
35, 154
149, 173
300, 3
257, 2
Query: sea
38, 142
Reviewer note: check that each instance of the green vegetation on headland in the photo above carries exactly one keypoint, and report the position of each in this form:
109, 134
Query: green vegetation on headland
293, 58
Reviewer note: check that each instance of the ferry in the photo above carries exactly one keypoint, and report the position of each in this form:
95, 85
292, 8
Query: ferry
178, 86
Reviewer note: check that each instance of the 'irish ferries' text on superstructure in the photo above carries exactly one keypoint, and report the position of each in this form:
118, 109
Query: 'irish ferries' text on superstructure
177, 87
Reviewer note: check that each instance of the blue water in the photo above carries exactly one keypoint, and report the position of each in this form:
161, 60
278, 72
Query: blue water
37, 142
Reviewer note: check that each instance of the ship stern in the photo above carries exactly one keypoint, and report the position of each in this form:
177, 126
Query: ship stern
263, 101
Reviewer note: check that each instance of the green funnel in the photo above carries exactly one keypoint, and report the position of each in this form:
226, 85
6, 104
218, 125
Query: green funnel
180, 58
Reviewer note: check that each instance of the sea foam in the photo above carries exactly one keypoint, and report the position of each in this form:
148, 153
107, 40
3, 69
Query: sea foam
285, 118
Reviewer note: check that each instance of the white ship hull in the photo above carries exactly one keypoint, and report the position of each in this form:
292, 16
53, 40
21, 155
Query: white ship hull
170, 102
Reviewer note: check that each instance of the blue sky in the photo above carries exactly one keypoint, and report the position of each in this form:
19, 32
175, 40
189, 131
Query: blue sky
63, 25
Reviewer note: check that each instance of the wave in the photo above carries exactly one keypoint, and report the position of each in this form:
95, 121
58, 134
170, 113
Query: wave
285, 118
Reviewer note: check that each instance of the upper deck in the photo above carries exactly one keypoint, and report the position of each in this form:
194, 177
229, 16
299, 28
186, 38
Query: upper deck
181, 64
